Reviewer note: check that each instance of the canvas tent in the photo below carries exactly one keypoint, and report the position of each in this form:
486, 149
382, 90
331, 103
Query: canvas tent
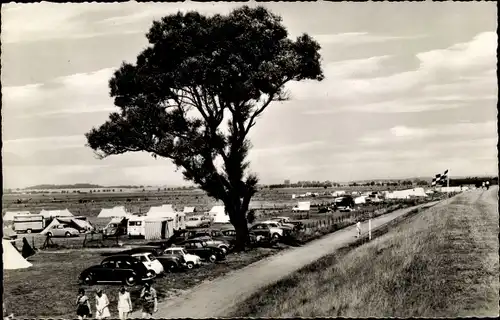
55, 213
12, 259
360, 200
219, 215
9, 215
158, 228
115, 212
406, 194
189, 209
302, 206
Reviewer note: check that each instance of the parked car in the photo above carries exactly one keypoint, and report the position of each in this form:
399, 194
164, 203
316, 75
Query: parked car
266, 230
120, 268
202, 249
116, 227
190, 260
198, 221
169, 263
63, 231
221, 244
287, 228
150, 262
284, 221
156, 250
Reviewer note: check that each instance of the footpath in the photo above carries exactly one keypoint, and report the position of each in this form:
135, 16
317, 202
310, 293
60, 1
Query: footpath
218, 297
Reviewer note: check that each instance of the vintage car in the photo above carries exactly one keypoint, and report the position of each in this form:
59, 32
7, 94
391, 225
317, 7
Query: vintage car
267, 230
199, 221
202, 249
119, 269
150, 262
221, 244
62, 231
190, 260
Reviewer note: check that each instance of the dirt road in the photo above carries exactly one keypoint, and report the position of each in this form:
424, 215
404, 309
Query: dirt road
217, 298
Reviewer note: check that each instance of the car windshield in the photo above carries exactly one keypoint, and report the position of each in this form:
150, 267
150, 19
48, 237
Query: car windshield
183, 251
193, 219
112, 225
151, 257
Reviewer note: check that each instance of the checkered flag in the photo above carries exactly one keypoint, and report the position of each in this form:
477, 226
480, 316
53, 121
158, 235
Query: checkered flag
440, 178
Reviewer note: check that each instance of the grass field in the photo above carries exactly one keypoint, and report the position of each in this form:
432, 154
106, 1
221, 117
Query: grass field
49, 289
442, 262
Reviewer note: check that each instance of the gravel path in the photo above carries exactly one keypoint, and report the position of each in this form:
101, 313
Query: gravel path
217, 298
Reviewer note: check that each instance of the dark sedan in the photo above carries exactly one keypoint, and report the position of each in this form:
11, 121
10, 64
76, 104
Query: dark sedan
118, 269
203, 250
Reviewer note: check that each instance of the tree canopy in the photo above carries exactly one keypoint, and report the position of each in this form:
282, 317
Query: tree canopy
197, 74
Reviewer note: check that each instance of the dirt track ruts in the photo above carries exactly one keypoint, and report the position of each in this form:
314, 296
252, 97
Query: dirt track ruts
218, 297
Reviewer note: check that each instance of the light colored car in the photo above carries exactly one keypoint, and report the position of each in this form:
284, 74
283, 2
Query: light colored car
191, 260
63, 231
198, 221
150, 262
283, 221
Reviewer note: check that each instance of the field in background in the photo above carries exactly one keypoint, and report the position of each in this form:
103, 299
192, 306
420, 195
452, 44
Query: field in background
440, 263
140, 202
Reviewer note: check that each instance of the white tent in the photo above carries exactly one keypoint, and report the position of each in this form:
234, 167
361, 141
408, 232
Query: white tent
165, 210
12, 259
118, 211
303, 206
406, 194
188, 209
360, 200
219, 214
453, 189
9, 215
56, 213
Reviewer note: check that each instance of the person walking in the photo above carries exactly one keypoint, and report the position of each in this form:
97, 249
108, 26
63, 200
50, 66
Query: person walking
82, 305
149, 301
487, 185
101, 305
358, 228
124, 303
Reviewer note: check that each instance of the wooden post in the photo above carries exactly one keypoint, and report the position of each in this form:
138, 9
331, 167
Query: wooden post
369, 229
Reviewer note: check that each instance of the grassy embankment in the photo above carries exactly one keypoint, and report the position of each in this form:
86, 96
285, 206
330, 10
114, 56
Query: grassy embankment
442, 262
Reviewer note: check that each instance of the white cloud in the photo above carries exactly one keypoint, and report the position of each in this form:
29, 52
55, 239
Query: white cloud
478, 53
77, 93
405, 134
353, 38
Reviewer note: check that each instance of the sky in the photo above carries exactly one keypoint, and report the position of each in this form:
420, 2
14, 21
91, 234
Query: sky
410, 90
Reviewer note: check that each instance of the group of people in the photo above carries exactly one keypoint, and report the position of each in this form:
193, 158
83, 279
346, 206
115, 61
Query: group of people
148, 297
486, 185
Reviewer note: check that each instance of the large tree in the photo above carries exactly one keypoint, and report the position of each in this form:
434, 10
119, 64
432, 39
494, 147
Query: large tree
198, 74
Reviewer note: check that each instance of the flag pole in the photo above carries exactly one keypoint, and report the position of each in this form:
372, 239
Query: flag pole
448, 186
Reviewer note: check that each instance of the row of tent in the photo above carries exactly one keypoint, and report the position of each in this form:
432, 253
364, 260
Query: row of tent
217, 212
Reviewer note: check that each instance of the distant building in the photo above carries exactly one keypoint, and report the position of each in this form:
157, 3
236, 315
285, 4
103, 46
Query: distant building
287, 182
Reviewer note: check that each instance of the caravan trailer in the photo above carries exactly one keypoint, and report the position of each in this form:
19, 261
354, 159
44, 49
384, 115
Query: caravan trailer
29, 223
136, 226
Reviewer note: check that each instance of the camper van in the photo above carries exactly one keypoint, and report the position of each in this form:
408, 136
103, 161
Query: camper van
136, 227
29, 223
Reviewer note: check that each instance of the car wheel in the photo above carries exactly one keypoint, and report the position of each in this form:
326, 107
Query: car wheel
28, 231
67, 234
212, 258
88, 279
130, 281
190, 265
153, 273
170, 267
49, 234
224, 249
276, 236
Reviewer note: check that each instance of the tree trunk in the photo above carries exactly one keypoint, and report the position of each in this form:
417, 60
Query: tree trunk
239, 222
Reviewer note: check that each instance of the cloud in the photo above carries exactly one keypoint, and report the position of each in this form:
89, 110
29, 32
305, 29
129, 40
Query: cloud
356, 38
405, 134
73, 94
479, 53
